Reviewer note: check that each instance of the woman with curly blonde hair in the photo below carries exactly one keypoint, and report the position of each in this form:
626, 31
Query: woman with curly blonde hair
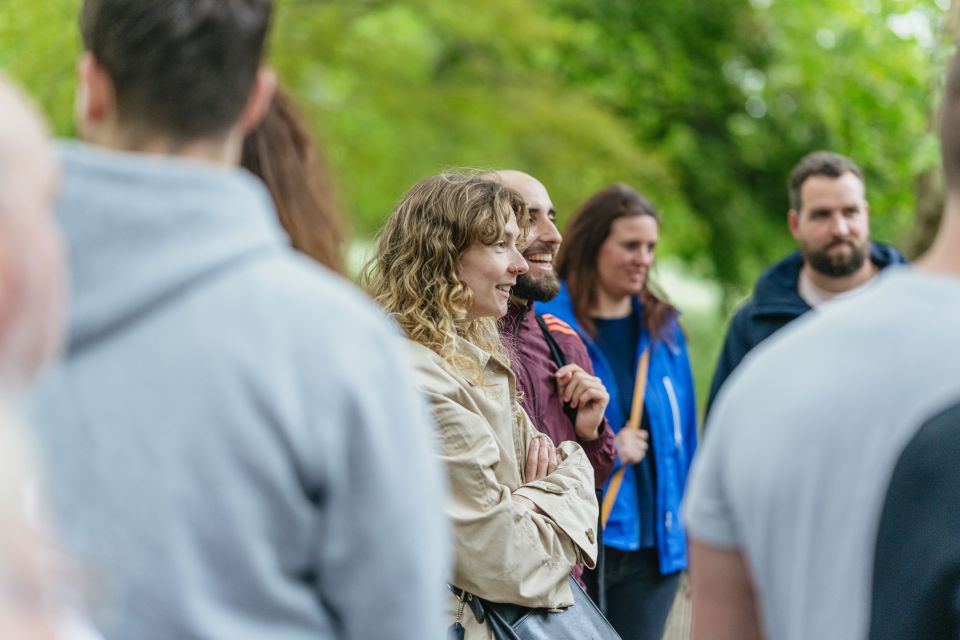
523, 512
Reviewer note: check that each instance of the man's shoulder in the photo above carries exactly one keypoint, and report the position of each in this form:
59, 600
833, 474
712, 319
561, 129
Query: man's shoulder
777, 285
297, 280
559, 328
744, 313
885, 255
568, 340
754, 322
846, 332
305, 307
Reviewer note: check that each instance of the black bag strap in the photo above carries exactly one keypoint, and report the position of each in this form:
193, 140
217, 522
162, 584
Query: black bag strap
559, 357
555, 351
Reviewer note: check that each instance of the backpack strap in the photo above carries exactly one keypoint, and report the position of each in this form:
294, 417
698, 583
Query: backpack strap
555, 351
560, 358
598, 578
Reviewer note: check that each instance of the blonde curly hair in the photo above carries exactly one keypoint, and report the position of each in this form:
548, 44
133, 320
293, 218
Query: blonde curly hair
415, 276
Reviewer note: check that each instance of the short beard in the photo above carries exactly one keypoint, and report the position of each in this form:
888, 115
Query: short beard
542, 290
838, 267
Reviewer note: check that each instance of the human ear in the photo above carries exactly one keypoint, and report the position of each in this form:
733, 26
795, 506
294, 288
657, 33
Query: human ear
259, 101
96, 99
793, 221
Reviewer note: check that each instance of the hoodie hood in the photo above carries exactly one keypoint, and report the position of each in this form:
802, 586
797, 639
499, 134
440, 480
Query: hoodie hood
141, 229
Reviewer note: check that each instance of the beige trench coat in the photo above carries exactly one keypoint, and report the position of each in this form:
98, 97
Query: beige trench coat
503, 551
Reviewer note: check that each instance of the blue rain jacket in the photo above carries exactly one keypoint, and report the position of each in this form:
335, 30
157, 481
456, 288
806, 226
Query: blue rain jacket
670, 406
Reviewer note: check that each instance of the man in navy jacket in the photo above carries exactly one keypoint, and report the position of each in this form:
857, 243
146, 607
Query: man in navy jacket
830, 219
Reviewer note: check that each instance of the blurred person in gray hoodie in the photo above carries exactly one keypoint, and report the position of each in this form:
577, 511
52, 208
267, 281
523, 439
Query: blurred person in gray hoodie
234, 445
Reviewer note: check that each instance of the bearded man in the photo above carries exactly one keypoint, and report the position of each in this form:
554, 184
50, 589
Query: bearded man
830, 219
563, 398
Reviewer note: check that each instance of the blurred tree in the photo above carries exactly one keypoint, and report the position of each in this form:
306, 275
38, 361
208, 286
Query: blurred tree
40, 47
660, 65
929, 183
406, 88
734, 92
884, 118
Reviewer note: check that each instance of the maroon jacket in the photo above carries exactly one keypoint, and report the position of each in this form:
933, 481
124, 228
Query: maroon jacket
535, 368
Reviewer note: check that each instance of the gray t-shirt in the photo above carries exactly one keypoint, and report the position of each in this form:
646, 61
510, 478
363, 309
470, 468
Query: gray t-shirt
804, 438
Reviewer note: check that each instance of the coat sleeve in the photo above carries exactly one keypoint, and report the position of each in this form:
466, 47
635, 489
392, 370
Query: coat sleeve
504, 551
564, 497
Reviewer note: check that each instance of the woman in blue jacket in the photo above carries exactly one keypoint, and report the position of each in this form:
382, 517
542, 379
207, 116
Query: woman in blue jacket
606, 295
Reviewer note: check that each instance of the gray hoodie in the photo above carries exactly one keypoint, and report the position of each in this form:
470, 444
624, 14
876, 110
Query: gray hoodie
234, 447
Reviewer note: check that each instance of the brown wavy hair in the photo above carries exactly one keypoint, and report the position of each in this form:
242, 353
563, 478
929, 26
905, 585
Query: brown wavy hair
585, 233
414, 275
281, 152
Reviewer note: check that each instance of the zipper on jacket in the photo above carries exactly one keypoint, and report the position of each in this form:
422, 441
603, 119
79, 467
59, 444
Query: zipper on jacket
675, 409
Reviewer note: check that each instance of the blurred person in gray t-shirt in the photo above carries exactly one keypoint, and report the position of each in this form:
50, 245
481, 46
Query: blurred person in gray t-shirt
786, 494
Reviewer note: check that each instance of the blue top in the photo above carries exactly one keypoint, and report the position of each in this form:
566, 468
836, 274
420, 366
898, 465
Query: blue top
612, 334
670, 405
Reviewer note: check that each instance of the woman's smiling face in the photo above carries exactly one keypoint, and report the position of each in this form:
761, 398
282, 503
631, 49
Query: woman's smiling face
491, 270
627, 255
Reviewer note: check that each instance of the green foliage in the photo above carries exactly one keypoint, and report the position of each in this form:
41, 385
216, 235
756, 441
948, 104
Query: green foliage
405, 89
704, 106
705, 331
40, 47
732, 93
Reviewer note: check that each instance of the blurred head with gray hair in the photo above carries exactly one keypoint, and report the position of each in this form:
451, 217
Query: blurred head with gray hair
32, 273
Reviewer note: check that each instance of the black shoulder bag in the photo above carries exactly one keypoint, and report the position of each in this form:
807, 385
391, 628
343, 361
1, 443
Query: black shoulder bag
580, 621
560, 358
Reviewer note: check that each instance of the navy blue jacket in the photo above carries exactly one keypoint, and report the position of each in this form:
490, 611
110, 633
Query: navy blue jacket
671, 408
774, 304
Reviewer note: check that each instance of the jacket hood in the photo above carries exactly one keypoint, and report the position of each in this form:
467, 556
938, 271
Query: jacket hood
142, 229
776, 288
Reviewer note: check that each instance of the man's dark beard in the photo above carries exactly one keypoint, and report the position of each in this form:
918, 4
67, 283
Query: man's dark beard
837, 266
542, 290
